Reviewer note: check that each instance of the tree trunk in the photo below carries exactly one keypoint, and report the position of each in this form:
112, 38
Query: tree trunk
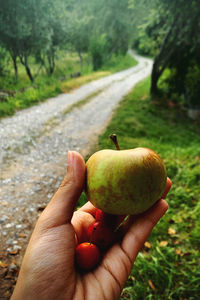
154, 81
81, 60
28, 70
88, 62
159, 66
161, 60
51, 61
14, 59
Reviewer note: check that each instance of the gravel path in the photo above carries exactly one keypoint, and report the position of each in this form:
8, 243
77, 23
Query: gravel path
34, 145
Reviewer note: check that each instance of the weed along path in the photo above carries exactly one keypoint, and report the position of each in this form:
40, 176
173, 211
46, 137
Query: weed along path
34, 145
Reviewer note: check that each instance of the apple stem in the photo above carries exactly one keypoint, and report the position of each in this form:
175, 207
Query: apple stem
124, 220
94, 228
113, 137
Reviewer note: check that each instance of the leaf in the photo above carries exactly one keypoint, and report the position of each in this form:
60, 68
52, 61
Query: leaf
163, 243
147, 245
179, 252
132, 278
152, 286
3, 265
171, 231
176, 242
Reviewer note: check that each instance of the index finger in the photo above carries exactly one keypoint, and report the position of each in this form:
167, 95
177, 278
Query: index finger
89, 208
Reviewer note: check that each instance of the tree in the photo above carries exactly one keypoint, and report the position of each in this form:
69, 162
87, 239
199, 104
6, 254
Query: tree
3, 60
81, 26
57, 22
111, 29
9, 29
181, 29
29, 28
114, 19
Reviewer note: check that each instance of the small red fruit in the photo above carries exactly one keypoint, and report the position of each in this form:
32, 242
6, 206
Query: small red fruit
87, 256
99, 215
101, 235
106, 219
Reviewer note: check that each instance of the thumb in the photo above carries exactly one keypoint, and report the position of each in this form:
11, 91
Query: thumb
60, 209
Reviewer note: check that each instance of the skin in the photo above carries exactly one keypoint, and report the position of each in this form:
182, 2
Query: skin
48, 271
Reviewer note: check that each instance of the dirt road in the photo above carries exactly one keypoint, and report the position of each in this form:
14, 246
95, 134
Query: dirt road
34, 145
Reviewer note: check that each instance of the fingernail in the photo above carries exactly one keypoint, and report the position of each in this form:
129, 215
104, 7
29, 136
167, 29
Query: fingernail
70, 161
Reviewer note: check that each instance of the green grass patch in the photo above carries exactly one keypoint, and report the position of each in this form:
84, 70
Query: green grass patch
119, 62
76, 82
170, 268
45, 86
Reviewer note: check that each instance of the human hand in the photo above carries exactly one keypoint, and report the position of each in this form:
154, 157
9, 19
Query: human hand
48, 269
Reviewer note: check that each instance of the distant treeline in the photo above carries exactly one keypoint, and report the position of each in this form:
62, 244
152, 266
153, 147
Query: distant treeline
168, 30
39, 28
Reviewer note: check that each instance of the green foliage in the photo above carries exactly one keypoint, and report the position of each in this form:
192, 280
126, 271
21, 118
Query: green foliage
49, 86
147, 34
192, 82
169, 269
119, 62
3, 61
169, 31
32, 28
97, 51
144, 44
113, 19
80, 25
41, 28
178, 38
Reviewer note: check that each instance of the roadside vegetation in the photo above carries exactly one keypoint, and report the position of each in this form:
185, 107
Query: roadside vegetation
168, 265
37, 35
22, 94
168, 31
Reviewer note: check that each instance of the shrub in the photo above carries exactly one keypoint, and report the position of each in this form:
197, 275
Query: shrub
192, 82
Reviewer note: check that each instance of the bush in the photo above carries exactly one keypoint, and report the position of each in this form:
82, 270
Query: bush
3, 61
97, 50
192, 83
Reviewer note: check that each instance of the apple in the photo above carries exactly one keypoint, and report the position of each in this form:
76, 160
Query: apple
87, 256
125, 182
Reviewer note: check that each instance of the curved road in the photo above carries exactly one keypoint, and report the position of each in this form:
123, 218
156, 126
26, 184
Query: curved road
35, 141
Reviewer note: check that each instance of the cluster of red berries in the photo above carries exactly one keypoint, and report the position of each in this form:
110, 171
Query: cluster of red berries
103, 233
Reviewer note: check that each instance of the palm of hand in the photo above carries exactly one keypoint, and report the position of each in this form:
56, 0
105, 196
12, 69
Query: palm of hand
48, 269
54, 273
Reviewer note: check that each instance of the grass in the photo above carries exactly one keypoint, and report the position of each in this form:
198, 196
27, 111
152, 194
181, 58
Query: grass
45, 86
118, 63
168, 266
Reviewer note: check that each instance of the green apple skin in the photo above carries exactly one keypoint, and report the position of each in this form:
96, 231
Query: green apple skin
125, 181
